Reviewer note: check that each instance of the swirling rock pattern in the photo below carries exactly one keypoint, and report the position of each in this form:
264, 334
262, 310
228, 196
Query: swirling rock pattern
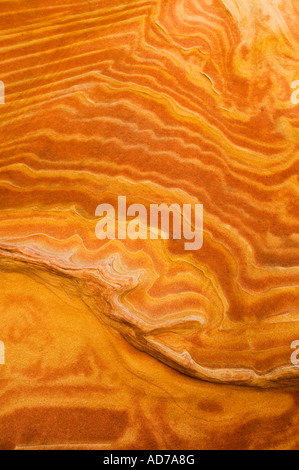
177, 101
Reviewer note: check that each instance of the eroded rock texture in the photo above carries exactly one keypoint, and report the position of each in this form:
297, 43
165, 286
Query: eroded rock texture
140, 343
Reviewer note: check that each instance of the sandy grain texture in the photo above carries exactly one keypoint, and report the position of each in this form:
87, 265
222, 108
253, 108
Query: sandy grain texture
141, 344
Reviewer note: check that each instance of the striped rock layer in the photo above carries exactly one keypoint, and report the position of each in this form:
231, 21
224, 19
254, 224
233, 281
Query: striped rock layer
161, 101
